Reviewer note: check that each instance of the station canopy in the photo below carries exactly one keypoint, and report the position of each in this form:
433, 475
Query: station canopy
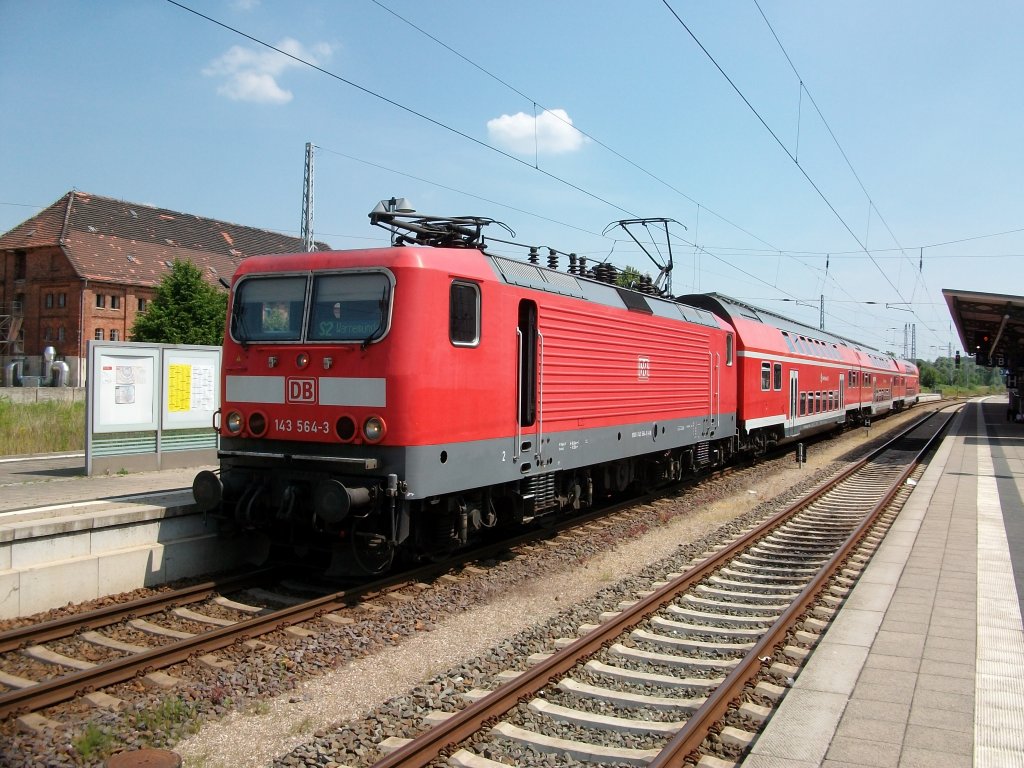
991, 327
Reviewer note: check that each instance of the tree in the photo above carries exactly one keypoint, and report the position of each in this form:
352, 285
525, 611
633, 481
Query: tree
186, 310
628, 277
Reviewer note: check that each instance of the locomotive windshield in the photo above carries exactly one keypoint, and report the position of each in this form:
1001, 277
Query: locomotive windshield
268, 309
347, 307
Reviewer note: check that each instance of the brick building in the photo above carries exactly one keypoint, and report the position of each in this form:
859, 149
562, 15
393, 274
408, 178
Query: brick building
84, 267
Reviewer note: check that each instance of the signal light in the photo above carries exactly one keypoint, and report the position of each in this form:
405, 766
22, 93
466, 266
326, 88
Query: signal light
958, 359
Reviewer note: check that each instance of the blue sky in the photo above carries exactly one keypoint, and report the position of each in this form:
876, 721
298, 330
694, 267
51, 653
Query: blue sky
145, 101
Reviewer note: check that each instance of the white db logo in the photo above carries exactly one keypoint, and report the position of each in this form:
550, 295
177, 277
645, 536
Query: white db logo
301, 390
643, 368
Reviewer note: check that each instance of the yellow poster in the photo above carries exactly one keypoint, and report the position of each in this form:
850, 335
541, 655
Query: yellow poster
179, 385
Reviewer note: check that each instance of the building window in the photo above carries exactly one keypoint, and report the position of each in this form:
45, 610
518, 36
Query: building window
101, 301
99, 334
142, 305
60, 333
114, 335
49, 301
115, 302
48, 334
464, 314
19, 265
62, 299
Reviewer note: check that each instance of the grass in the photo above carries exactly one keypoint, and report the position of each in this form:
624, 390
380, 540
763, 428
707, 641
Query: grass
93, 743
41, 427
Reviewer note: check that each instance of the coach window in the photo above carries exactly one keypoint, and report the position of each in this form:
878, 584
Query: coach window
728, 349
766, 376
777, 376
803, 403
464, 314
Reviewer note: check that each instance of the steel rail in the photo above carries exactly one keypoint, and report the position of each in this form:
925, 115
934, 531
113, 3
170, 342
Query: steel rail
65, 626
684, 746
65, 687
444, 736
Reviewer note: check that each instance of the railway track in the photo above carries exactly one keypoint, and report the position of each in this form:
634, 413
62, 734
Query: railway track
687, 673
80, 655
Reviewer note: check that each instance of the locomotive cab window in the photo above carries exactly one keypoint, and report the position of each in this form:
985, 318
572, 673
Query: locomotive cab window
268, 309
350, 306
464, 314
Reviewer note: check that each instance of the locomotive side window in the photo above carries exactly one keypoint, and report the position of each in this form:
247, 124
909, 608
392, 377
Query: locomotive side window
464, 314
527, 332
349, 306
268, 309
766, 376
777, 376
728, 349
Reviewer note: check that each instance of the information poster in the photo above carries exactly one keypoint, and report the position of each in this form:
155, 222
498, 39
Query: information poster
126, 397
191, 381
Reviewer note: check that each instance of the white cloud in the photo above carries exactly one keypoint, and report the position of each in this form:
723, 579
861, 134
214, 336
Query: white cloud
251, 74
551, 132
245, 5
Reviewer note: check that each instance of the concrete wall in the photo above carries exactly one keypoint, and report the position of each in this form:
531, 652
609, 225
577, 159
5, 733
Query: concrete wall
82, 554
43, 394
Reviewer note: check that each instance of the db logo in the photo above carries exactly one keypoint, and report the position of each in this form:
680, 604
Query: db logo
301, 390
643, 368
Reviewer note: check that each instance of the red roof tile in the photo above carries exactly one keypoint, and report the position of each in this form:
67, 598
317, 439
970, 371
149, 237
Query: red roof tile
117, 241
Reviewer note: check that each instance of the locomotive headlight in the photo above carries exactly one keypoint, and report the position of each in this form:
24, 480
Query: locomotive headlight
257, 424
302, 360
373, 429
234, 422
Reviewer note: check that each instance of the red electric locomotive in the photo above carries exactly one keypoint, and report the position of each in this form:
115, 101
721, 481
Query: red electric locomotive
410, 399
407, 399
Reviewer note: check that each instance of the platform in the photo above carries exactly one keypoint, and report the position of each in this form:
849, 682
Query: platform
66, 537
924, 663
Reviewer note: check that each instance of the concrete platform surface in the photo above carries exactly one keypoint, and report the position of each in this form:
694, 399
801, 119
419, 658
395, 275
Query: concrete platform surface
924, 664
53, 479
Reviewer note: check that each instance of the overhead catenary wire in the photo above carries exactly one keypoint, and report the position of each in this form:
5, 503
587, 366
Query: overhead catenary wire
839, 217
779, 251
439, 123
399, 105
